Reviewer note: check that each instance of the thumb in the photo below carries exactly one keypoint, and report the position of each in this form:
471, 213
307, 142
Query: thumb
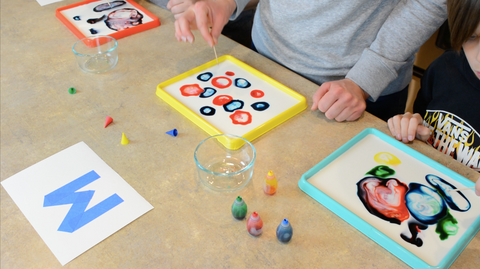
423, 133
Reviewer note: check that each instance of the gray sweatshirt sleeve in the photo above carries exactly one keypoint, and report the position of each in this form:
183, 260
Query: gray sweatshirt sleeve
409, 25
240, 7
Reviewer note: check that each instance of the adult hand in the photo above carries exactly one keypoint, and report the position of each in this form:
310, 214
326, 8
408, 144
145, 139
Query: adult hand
203, 15
177, 7
407, 127
340, 100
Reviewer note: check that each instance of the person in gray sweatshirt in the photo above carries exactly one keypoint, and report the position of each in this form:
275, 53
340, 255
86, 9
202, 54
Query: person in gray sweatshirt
360, 52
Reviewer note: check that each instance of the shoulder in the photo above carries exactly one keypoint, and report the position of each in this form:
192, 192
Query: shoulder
449, 61
449, 57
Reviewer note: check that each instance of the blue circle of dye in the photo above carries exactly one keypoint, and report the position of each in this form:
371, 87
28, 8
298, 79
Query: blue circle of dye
425, 204
207, 111
233, 105
207, 92
260, 106
205, 76
242, 83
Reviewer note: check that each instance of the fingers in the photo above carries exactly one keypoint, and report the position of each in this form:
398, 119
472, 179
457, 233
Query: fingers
423, 133
183, 28
341, 100
203, 15
319, 95
407, 127
177, 7
173, 3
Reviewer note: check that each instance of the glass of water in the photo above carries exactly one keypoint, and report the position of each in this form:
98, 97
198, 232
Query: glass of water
225, 162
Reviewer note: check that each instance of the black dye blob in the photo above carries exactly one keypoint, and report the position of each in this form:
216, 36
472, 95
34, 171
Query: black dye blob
207, 92
107, 6
207, 111
92, 31
242, 83
92, 21
260, 106
414, 230
205, 76
233, 105
455, 200
77, 18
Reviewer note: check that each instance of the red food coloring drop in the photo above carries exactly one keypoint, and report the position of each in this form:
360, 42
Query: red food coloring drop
257, 93
222, 99
241, 117
229, 73
191, 90
221, 82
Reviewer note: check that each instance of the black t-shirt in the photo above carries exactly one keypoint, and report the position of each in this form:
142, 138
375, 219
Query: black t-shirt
449, 101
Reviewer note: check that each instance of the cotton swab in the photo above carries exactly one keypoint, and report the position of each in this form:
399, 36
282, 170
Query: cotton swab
109, 3
462, 189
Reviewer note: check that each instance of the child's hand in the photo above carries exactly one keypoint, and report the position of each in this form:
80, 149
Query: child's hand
407, 127
477, 187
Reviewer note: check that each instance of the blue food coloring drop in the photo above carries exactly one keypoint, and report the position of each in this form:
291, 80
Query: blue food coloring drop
92, 31
242, 83
207, 111
207, 92
260, 106
77, 18
205, 76
233, 105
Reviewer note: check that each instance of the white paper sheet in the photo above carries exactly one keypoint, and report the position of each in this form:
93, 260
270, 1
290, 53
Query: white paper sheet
55, 195
46, 2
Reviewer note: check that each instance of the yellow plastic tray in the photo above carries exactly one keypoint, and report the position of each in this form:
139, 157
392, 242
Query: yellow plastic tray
290, 104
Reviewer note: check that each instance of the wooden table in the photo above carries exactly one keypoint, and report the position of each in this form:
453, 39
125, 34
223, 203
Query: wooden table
190, 226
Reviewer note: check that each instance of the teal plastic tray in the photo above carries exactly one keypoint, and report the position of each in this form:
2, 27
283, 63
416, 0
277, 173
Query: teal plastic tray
415, 166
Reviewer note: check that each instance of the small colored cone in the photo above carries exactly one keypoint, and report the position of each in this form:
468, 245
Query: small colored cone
172, 132
108, 120
124, 139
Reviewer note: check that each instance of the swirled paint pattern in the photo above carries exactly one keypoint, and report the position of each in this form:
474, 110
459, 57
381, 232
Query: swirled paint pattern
384, 198
391, 200
425, 204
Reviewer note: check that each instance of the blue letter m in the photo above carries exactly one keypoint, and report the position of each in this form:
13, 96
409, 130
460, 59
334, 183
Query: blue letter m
77, 217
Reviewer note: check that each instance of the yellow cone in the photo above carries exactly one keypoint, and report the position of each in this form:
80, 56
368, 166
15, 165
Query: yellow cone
124, 139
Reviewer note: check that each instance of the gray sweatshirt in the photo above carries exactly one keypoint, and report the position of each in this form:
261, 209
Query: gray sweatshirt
371, 42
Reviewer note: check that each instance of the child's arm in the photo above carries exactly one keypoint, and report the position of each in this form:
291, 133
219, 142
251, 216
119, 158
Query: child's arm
407, 127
